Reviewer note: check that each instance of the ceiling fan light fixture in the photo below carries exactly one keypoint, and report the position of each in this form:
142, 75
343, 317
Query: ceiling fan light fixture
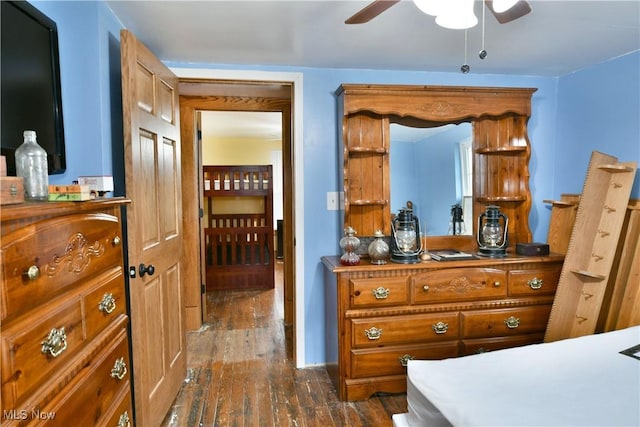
501, 6
457, 15
430, 7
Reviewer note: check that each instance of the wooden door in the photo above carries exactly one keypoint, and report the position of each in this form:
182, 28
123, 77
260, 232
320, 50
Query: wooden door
154, 226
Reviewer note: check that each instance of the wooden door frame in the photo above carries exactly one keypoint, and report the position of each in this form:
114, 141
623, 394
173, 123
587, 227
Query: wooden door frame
295, 210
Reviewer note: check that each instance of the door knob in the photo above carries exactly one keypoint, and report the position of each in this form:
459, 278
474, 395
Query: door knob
146, 269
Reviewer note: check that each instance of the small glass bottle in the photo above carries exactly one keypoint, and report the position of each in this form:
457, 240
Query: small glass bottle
349, 243
31, 165
378, 249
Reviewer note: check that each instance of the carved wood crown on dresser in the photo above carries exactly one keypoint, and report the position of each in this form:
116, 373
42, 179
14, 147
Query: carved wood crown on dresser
380, 316
65, 351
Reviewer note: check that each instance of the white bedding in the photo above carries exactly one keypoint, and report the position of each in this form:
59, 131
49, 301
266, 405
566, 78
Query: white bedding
575, 382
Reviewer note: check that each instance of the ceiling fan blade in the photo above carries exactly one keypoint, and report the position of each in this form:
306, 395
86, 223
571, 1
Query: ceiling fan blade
369, 12
518, 10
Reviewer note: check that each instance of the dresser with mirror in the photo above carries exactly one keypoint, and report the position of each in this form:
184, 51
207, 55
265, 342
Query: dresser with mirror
435, 147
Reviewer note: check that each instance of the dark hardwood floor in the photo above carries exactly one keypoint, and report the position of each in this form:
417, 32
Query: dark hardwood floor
240, 373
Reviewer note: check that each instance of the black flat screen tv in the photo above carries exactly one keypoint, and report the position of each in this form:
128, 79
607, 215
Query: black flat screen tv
30, 83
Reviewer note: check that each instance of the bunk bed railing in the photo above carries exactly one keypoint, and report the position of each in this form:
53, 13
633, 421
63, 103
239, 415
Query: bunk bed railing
239, 240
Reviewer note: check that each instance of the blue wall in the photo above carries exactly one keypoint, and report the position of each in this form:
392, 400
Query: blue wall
596, 108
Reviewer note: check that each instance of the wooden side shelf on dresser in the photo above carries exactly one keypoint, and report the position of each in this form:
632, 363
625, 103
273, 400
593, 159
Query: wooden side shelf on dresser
380, 316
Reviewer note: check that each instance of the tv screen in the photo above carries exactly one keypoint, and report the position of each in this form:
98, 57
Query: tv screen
30, 83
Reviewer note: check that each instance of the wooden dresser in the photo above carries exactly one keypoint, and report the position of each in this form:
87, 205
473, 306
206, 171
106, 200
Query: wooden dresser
65, 350
380, 316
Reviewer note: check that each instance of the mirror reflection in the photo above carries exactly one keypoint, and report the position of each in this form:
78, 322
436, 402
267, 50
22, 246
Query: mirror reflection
432, 167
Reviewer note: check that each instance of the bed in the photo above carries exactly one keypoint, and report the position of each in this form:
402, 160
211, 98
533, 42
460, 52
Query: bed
593, 380
238, 227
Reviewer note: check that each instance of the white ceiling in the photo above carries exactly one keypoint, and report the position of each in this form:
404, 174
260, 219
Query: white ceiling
250, 125
556, 38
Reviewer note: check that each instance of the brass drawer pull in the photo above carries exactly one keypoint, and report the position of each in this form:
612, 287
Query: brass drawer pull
119, 369
497, 284
123, 421
535, 283
55, 343
108, 304
32, 273
404, 360
373, 333
440, 327
512, 322
425, 288
116, 241
380, 293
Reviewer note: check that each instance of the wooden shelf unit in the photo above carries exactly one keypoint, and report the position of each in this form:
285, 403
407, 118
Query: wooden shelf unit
592, 247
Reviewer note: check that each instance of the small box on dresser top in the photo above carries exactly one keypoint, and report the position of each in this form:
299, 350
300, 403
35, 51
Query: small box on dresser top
64, 345
11, 190
380, 316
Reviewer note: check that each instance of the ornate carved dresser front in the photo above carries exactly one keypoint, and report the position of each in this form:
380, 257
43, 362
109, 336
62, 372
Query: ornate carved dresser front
64, 344
380, 316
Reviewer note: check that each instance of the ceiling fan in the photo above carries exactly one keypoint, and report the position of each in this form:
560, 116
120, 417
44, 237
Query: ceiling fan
366, 14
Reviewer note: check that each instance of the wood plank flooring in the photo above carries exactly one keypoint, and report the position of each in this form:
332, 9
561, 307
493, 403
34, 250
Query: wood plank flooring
240, 373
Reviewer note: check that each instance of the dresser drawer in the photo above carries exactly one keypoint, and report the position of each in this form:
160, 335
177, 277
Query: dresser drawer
482, 345
459, 284
44, 259
378, 292
542, 281
104, 303
505, 322
96, 388
121, 414
392, 361
38, 347
382, 331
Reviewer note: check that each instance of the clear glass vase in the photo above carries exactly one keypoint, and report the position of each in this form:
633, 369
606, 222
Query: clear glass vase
349, 244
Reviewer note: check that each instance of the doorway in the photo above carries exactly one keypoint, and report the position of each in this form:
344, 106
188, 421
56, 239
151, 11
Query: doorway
233, 95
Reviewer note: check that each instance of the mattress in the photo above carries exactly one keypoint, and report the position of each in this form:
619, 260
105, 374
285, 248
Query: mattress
584, 381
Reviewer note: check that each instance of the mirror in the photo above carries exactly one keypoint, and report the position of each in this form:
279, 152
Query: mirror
432, 167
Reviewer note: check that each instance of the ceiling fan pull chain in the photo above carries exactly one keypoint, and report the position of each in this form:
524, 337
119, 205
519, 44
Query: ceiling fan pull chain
465, 67
483, 52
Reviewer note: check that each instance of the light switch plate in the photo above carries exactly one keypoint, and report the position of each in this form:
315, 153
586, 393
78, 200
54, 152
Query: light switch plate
333, 200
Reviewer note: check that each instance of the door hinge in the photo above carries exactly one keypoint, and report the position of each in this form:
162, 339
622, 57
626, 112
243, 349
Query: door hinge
203, 288
201, 213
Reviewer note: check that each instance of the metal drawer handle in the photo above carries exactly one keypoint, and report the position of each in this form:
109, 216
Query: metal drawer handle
32, 272
373, 333
380, 293
119, 369
497, 284
405, 359
108, 304
425, 288
123, 421
440, 327
512, 322
116, 241
55, 343
535, 283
